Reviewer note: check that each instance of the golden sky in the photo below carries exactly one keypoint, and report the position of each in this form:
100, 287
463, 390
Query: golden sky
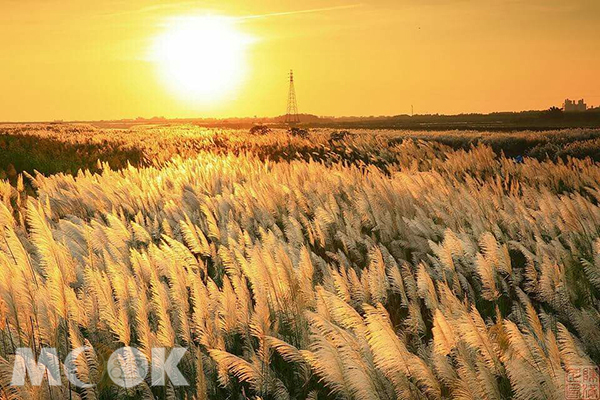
81, 59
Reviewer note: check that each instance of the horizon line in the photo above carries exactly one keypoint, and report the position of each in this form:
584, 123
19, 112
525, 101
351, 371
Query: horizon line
140, 118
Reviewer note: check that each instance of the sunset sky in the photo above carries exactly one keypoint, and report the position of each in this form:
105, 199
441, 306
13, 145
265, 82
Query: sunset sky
81, 60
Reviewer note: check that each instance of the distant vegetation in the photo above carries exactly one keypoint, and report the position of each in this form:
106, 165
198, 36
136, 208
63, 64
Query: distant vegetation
60, 148
332, 265
49, 149
553, 118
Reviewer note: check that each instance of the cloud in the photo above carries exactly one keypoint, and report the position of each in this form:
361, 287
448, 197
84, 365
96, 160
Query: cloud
186, 5
313, 10
153, 8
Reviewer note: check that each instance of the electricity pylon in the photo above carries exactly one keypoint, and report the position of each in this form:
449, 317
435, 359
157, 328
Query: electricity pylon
291, 117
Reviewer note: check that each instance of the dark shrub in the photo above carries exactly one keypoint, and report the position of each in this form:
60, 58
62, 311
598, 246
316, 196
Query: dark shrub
260, 130
295, 131
339, 135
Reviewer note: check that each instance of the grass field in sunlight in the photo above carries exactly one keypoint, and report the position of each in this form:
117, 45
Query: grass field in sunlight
331, 265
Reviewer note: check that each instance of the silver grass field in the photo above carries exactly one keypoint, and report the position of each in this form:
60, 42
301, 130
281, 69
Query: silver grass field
384, 265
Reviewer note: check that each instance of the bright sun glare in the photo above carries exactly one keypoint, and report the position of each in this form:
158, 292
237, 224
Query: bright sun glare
202, 58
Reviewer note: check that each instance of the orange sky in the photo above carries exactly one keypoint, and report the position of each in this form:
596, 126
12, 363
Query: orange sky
76, 59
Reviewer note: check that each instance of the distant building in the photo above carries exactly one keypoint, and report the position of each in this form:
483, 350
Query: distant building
570, 105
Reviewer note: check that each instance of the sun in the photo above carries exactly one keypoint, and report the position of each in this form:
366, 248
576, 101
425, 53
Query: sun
202, 58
